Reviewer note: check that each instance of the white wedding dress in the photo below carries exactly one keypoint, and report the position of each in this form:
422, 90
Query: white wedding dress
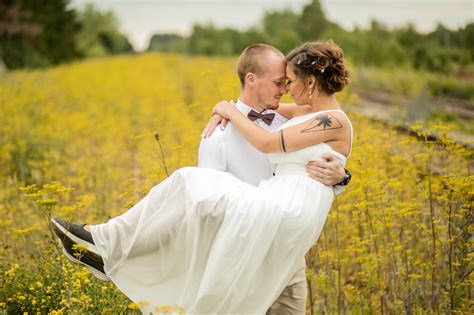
212, 244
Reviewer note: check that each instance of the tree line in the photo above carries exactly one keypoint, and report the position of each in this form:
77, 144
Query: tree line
440, 50
45, 33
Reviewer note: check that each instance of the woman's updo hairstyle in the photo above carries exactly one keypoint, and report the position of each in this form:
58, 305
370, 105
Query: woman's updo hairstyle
324, 60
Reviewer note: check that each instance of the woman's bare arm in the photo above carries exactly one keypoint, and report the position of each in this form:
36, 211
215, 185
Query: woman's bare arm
290, 110
287, 110
325, 127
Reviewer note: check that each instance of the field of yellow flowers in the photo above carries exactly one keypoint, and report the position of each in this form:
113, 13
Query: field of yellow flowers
87, 140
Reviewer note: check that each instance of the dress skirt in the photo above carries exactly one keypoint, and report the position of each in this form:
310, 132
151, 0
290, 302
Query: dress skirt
206, 242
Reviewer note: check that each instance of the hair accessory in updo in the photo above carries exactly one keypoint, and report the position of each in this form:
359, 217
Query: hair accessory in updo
314, 58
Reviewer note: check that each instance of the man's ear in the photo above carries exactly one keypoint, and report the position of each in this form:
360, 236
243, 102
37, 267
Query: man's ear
250, 79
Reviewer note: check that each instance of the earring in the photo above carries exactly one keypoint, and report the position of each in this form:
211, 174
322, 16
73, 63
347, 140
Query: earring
309, 94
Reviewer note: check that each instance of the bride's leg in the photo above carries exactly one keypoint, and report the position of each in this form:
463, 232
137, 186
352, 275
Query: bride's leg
156, 220
147, 226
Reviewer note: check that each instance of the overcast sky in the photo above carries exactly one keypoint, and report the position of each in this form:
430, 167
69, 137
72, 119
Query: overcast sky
140, 19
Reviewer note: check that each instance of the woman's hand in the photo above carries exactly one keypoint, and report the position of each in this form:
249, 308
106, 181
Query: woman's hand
212, 125
224, 109
218, 117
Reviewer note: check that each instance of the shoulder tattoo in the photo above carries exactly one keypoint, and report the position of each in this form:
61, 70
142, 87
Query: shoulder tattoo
322, 122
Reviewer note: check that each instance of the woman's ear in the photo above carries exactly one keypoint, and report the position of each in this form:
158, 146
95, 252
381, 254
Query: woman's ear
311, 82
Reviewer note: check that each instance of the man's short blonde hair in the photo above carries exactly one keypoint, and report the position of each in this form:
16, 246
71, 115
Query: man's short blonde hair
252, 60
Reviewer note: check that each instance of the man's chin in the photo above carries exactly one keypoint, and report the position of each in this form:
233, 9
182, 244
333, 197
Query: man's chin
273, 106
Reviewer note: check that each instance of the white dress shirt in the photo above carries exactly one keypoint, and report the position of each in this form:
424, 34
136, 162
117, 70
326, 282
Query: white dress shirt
227, 150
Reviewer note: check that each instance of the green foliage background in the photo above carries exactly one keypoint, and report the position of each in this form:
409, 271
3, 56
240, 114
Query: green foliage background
42, 33
441, 50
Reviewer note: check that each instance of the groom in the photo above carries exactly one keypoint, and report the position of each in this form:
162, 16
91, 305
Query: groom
262, 73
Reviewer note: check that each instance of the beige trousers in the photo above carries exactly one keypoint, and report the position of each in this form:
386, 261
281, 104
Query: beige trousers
292, 301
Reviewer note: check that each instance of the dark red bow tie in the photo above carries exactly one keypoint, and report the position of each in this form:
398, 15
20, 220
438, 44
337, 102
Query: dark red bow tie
267, 118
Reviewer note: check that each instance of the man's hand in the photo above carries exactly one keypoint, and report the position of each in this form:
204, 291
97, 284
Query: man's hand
328, 172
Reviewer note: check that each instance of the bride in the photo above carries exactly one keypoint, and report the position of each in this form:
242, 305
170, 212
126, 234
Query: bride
204, 241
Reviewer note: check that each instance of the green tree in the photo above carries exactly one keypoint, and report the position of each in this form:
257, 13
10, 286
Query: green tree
249, 37
167, 43
203, 40
279, 29
313, 22
209, 40
99, 35
277, 22
466, 36
408, 37
37, 33
382, 47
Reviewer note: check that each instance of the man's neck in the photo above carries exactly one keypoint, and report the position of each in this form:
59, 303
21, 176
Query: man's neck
251, 101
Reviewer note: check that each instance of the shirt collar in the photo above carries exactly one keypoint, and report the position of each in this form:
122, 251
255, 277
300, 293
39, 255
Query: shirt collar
245, 109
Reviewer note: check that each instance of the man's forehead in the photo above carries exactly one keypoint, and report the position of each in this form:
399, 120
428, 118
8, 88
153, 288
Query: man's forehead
276, 73
279, 77
274, 67
274, 58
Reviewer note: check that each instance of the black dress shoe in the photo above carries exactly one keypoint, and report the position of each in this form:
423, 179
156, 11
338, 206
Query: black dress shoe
74, 232
93, 262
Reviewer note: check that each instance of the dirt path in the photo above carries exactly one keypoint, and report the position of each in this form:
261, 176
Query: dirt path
386, 108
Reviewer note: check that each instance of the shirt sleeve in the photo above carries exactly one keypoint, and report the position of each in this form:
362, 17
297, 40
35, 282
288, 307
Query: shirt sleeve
338, 190
212, 152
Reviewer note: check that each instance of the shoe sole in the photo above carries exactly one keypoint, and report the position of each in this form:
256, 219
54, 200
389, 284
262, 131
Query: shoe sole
90, 247
98, 274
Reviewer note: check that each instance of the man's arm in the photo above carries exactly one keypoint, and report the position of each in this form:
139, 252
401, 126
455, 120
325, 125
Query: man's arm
212, 152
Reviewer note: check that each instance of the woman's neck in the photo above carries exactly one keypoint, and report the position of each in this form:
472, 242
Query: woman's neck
324, 102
